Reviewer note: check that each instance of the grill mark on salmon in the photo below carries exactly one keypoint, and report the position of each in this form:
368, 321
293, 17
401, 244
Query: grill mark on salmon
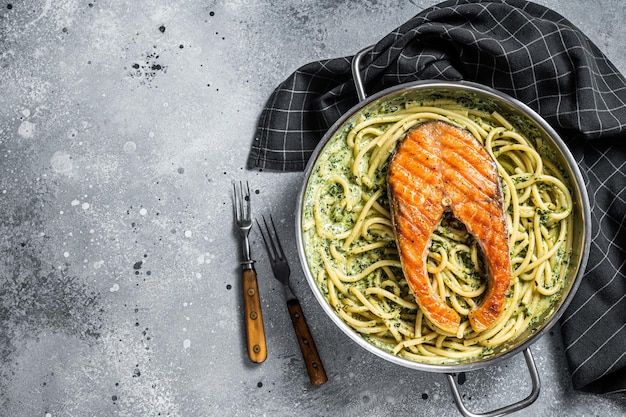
439, 167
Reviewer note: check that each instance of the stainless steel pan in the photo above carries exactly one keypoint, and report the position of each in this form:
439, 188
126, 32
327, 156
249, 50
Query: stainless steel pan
581, 229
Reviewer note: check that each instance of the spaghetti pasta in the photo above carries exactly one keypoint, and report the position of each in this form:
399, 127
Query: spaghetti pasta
351, 247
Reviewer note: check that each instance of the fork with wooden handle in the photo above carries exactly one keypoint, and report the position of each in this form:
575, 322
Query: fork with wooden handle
255, 332
280, 267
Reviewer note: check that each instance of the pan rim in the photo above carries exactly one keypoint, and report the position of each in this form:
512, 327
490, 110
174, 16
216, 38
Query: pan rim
581, 197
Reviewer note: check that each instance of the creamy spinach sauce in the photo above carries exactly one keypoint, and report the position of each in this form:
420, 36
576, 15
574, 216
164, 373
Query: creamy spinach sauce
334, 218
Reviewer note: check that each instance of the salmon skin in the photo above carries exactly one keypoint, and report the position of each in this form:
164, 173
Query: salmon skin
438, 167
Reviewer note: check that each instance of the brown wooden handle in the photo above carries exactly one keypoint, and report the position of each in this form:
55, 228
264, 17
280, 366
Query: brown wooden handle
257, 350
314, 366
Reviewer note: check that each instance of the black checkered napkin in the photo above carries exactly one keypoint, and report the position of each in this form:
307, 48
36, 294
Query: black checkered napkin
531, 53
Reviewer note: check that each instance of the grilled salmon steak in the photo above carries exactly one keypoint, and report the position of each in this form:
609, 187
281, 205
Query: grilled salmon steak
439, 167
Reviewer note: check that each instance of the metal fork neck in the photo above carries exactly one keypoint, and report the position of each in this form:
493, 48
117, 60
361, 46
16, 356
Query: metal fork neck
289, 293
246, 247
247, 262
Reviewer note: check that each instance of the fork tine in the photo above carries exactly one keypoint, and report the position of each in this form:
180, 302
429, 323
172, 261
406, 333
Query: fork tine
246, 197
270, 251
236, 202
278, 249
274, 240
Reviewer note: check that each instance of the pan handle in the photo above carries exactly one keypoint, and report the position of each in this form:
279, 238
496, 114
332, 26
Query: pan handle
534, 394
356, 72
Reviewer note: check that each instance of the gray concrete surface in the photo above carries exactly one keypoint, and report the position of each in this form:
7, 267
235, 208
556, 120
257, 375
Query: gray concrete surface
122, 125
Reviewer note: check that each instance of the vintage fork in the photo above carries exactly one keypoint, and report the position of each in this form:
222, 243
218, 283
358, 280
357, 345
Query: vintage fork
280, 267
255, 332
